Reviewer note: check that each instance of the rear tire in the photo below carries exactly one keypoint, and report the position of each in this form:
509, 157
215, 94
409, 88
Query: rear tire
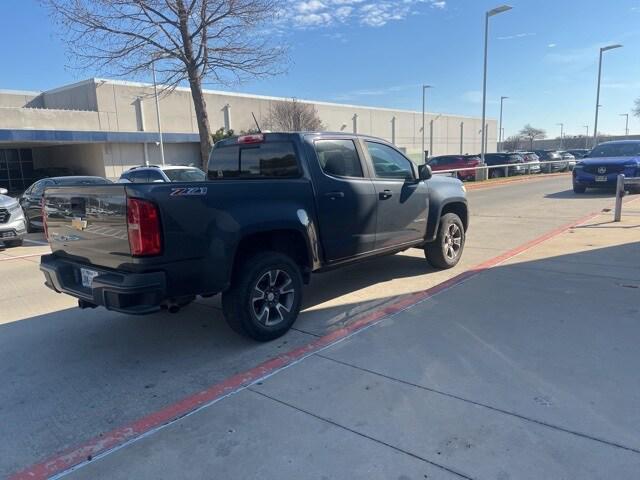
445, 251
579, 189
265, 296
496, 174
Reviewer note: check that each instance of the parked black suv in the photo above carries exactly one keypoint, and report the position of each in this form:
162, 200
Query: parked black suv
550, 161
511, 160
277, 207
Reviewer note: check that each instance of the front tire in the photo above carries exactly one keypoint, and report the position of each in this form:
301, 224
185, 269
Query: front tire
579, 189
445, 251
265, 296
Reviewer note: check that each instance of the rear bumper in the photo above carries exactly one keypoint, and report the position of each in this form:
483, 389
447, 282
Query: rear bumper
133, 293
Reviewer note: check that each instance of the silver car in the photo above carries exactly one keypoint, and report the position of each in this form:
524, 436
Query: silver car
13, 225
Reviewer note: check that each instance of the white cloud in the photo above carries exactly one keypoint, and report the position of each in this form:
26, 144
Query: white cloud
374, 92
552, 45
516, 35
310, 6
373, 13
621, 85
475, 97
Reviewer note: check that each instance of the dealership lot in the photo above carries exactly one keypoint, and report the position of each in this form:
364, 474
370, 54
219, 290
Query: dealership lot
70, 375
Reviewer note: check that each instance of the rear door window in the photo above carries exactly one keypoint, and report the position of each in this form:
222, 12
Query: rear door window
339, 158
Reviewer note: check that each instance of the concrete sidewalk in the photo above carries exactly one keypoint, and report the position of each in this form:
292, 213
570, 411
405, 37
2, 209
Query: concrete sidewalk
528, 370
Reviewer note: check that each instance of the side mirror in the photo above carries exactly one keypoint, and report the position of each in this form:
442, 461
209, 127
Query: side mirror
3, 191
424, 172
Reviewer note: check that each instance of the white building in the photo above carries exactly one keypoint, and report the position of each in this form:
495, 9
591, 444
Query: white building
102, 127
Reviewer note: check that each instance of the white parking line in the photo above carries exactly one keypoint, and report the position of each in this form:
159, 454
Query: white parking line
35, 242
18, 257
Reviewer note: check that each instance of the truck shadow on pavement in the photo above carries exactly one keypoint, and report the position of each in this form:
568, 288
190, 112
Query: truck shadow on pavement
570, 194
71, 375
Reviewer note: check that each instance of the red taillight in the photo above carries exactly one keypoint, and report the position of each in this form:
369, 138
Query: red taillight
143, 225
256, 138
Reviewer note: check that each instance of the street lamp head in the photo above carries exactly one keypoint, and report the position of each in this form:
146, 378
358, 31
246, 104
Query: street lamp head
503, 98
424, 87
610, 47
497, 10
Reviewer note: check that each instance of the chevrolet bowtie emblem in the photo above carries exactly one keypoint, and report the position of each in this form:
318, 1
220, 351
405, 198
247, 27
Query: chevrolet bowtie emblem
78, 223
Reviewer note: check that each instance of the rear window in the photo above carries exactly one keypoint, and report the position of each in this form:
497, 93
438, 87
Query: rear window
185, 175
265, 160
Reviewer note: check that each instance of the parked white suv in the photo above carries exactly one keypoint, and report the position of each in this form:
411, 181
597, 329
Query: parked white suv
12, 222
168, 173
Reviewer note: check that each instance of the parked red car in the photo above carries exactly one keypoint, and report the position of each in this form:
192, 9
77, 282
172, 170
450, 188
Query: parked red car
452, 162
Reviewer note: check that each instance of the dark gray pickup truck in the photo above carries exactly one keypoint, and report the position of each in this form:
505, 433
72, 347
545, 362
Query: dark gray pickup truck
276, 208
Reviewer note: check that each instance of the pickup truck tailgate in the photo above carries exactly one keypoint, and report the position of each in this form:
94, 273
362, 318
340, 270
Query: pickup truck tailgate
88, 223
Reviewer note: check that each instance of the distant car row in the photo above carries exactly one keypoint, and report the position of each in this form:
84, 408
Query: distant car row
509, 163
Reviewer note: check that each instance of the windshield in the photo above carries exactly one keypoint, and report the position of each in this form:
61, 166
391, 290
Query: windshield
185, 175
616, 150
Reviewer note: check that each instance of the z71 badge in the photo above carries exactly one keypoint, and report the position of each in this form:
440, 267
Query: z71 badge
188, 191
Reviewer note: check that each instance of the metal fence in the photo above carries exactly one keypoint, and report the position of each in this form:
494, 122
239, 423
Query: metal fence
483, 172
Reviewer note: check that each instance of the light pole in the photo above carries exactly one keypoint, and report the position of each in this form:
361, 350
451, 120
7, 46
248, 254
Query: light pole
424, 99
502, 99
490, 13
561, 134
626, 125
595, 125
431, 134
155, 89
586, 137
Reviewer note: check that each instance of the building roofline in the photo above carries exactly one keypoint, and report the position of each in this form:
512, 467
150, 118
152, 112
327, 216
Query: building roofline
273, 98
71, 85
35, 93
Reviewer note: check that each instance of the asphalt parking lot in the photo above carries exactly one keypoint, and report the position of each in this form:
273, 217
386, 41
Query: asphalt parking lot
69, 375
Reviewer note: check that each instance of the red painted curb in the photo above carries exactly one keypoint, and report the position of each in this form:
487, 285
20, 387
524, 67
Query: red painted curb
108, 441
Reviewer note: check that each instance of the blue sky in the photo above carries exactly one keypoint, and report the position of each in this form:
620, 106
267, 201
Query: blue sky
543, 55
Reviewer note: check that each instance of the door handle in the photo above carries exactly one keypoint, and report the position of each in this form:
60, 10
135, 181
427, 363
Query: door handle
385, 194
334, 195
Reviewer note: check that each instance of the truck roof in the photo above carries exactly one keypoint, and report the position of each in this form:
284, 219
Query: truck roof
287, 135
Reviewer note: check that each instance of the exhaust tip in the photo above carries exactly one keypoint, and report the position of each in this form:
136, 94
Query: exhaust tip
84, 304
173, 308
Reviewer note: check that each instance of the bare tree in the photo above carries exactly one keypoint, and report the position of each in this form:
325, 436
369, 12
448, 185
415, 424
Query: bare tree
190, 40
532, 133
293, 116
511, 144
636, 108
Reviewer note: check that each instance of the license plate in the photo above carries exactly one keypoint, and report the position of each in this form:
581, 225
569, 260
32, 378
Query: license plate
601, 178
87, 277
